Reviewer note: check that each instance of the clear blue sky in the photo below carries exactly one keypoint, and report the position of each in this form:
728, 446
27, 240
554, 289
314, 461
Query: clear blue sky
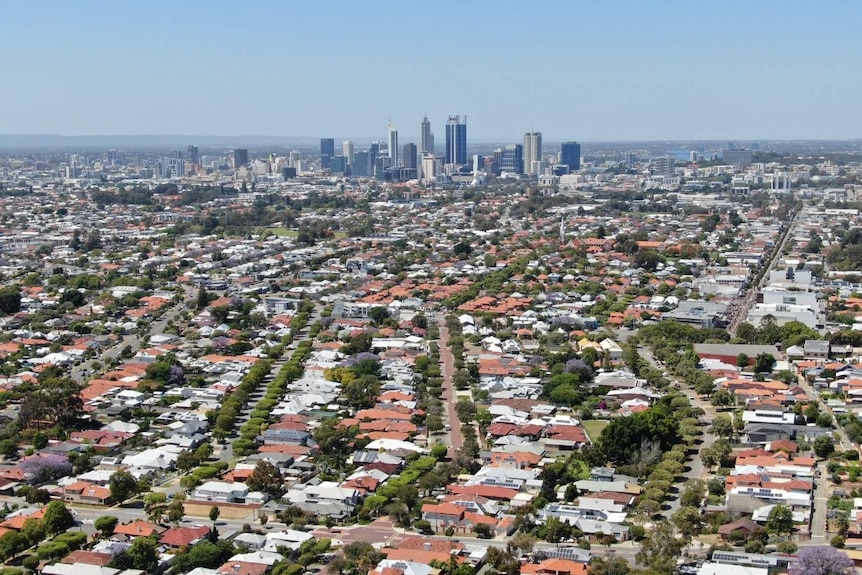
586, 70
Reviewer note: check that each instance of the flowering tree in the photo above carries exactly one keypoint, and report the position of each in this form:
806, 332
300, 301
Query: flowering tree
822, 561
41, 468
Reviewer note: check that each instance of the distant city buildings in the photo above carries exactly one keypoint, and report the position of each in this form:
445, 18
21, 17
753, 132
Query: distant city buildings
410, 156
533, 153
456, 141
394, 160
738, 158
192, 155
347, 148
240, 158
327, 150
570, 155
512, 159
426, 137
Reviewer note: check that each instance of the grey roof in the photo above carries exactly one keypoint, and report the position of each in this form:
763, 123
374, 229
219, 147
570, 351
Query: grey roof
733, 349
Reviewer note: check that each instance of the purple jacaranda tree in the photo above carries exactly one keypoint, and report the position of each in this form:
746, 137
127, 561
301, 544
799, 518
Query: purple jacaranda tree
822, 560
41, 468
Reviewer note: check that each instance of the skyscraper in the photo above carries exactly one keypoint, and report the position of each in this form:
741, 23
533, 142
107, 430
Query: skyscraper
410, 156
240, 158
347, 148
532, 152
456, 141
570, 155
193, 156
373, 152
426, 138
327, 150
359, 166
393, 146
513, 159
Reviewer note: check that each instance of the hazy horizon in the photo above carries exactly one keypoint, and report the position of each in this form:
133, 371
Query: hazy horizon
619, 71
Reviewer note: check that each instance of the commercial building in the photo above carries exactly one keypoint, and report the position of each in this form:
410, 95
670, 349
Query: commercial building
394, 160
512, 159
426, 137
327, 150
456, 141
737, 158
570, 155
240, 157
347, 150
361, 165
410, 156
532, 153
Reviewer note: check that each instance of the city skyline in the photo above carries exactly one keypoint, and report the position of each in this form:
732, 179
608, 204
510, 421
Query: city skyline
661, 71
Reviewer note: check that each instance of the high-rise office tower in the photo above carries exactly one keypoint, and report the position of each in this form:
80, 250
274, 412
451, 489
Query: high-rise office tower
393, 146
338, 164
360, 164
513, 159
662, 166
193, 155
347, 148
410, 156
532, 152
293, 159
373, 152
456, 141
240, 158
570, 155
327, 150
426, 138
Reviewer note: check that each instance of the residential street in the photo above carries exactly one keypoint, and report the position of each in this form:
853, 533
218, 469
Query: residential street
448, 370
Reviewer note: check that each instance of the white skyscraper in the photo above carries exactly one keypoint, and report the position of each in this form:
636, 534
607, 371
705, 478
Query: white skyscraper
347, 148
532, 153
393, 146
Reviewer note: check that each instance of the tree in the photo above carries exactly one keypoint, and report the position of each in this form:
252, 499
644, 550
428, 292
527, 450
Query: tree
556, 530
57, 518
609, 566
266, 478
693, 494
763, 363
742, 360
155, 506
214, 513
780, 520
9, 449
203, 299
378, 314
824, 446
660, 549
722, 425
123, 485
105, 525
356, 558
176, 511
465, 409
483, 531
34, 530
38, 497
10, 299
687, 521
56, 400
822, 561
143, 555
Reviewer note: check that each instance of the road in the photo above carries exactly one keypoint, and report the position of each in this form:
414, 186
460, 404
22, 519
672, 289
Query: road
456, 440
84, 371
694, 466
742, 308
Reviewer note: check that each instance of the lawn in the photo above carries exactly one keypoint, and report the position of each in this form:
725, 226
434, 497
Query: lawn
594, 427
283, 232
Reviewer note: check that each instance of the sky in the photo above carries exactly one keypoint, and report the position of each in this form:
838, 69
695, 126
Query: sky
589, 70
